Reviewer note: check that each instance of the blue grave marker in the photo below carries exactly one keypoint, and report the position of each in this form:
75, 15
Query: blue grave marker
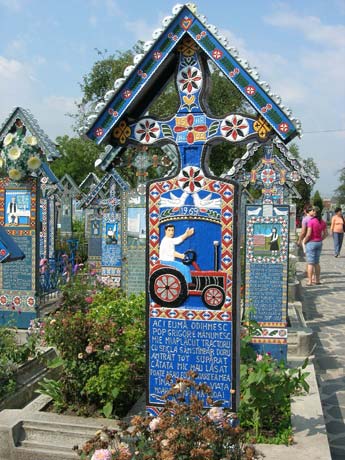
192, 216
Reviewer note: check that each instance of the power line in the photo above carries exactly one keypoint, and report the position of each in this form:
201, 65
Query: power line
325, 131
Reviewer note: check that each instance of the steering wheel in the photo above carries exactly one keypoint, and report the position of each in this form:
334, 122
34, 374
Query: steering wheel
189, 257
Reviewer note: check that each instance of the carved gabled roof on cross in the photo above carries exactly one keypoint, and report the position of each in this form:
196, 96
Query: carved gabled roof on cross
111, 175
47, 172
290, 161
48, 147
133, 94
90, 180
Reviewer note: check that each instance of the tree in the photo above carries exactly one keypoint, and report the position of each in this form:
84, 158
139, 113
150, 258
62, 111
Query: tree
340, 190
77, 158
304, 189
99, 80
317, 200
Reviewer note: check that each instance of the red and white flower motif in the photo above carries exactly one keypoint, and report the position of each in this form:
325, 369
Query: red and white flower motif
172, 36
268, 176
99, 132
147, 131
191, 179
30, 301
142, 74
16, 300
295, 176
3, 300
194, 130
126, 94
266, 108
189, 79
234, 72
156, 55
201, 35
235, 127
283, 127
250, 90
113, 112
217, 54
2, 252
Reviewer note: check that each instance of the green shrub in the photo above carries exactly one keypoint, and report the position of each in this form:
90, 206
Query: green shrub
102, 352
266, 388
12, 355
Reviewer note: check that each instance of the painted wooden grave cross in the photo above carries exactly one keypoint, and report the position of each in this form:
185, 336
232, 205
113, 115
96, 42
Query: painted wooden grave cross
105, 240
192, 247
111, 237
49, 185
266, 237
68, 198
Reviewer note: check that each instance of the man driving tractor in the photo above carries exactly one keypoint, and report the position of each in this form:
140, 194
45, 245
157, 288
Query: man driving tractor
168, 254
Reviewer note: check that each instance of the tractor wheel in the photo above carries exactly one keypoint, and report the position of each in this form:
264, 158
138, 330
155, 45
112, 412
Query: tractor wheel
213, 297
168, 288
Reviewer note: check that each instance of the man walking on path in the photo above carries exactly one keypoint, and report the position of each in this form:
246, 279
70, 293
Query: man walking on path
324, 309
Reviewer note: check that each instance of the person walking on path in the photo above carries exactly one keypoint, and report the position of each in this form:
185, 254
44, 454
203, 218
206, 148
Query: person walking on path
337, 230
308, 211
316, 233
308, 214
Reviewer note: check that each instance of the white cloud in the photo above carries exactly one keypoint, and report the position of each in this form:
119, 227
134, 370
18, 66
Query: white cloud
15, 82
140, 29
311, 27
311, 82
272, 68
60, 103
52, 115
234, 41
20, 88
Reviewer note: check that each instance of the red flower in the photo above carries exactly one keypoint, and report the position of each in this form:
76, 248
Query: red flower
191, 79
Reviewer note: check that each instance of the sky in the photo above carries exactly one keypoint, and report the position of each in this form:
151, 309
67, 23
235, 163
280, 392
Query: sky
297, 46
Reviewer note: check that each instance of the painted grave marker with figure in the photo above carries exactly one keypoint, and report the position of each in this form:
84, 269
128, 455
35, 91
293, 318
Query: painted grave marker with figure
24, 152
192, 215
105, 233
267, 243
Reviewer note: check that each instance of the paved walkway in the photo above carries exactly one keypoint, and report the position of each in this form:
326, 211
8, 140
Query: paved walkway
324, 308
